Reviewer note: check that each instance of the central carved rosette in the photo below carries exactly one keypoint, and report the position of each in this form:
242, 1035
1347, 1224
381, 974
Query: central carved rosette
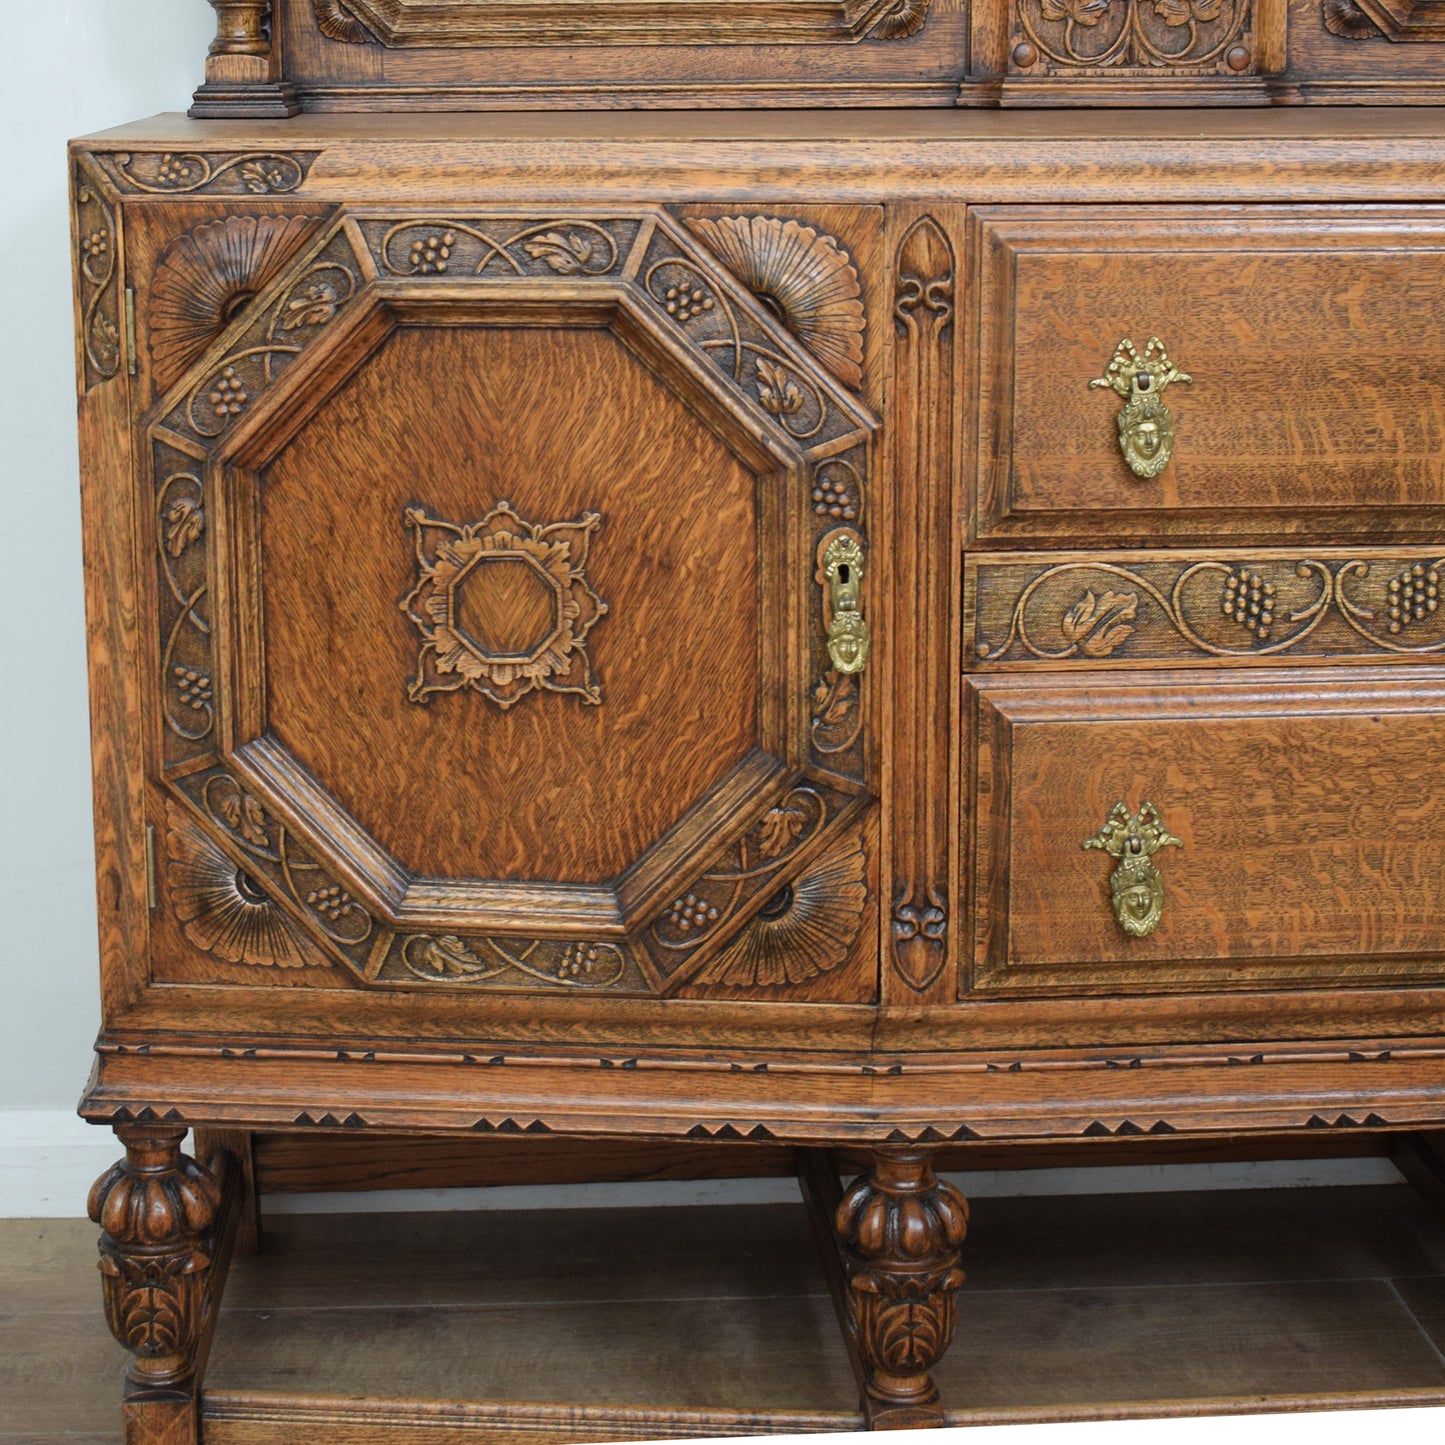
901, 1228
503, 606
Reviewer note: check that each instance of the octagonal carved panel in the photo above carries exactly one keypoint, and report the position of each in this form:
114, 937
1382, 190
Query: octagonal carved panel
594, 579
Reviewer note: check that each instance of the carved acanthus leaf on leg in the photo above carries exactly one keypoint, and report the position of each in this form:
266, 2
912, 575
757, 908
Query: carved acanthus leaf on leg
156, 1209
900, 1229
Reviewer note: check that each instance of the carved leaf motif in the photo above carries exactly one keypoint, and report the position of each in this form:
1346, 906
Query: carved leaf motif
314, 307
1082, 12
776, 390
243, 814
1080, 617
1102, 643
185, 521
564, 254
780, 826
1099, 624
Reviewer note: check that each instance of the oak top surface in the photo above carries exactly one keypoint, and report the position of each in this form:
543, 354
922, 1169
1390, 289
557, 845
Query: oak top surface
833, 127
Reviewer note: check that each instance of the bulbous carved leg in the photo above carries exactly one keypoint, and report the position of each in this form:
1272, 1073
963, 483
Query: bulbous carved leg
157, 1210
900, 1229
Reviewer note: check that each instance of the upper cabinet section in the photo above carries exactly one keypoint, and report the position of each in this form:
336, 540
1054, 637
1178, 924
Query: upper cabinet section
274, 58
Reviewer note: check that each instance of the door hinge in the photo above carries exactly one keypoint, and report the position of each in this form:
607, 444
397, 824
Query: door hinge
152, 891
130, 331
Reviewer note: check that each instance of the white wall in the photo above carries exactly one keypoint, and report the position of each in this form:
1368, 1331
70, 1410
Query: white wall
72, 66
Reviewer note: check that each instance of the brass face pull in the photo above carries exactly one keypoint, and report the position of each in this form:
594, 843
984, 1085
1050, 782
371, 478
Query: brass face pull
1136, 884
840, 571
1146, 425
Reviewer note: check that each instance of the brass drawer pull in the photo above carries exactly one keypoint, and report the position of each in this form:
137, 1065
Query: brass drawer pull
840, 571
1146, 425
1136, 884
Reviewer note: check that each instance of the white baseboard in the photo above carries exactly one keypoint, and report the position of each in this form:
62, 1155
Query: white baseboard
49, 1158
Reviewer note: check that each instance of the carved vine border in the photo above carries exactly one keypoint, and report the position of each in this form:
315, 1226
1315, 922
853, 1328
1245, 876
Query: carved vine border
1099, 623
186, 173
97, 246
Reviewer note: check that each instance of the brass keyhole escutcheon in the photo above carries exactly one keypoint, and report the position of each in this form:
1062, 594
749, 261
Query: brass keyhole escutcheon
840, 572
1136, 885
1146, 425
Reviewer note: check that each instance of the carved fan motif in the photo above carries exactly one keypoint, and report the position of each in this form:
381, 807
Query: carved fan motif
905, 18
804, 276
811, 931
206, 276
221, 907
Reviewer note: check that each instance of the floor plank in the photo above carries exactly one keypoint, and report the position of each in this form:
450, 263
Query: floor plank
514, 1257
1226, 1341
1206, 1237
763, 1354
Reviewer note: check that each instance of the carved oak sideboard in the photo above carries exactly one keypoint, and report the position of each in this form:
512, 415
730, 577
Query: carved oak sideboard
859, 628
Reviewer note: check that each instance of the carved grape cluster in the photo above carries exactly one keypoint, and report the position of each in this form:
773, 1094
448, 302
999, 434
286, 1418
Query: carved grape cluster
1413, 595
174, 172
831, 498
433, 253
194, 688
578, 960
1249, 600
685, 304
691, 912
229, 396
95, 245
332, 900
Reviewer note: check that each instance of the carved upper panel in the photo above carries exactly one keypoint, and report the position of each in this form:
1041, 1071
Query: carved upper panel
462, 23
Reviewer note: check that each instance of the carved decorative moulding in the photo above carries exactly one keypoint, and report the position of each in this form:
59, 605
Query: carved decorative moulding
1096, 611
204, 279
801, 274
186, 173
97, 241
807, 928
448, 24
1061, 36
503, 606
222, 908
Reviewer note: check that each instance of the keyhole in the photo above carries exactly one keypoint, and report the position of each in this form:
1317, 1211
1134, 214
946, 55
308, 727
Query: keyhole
843, 574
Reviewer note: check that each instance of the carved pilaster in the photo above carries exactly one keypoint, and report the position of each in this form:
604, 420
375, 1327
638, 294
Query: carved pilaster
156, 1210
243, 66
922, 690
900, 1229
241, 27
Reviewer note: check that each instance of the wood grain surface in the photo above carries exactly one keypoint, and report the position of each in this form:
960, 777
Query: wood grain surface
558, 423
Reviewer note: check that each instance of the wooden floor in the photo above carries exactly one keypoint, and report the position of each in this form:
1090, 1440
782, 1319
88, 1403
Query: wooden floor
1074, 1307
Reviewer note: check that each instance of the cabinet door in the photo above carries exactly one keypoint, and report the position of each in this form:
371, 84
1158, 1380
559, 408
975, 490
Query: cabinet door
501, 642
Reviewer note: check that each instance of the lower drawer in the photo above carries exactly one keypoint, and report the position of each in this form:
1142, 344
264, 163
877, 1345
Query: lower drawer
1298, 836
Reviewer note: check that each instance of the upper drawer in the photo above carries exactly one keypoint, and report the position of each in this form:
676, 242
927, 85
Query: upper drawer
1313, 337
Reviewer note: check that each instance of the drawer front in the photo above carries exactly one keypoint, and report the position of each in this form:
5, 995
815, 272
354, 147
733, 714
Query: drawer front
1311, 343
1297, 837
